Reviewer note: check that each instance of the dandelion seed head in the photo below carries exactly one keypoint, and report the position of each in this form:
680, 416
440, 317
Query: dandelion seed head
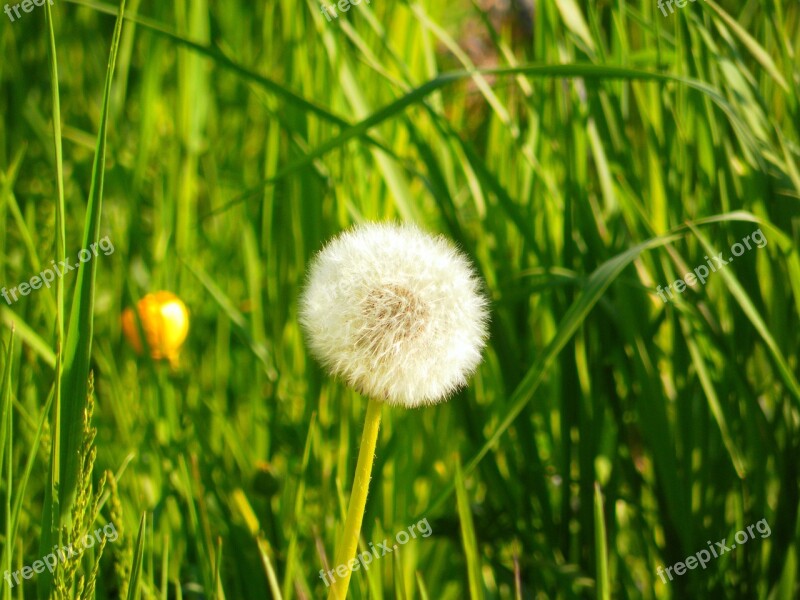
395, 312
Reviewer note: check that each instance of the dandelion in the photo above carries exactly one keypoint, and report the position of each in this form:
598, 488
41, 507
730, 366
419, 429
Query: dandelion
395, 312
400, 316
165, 322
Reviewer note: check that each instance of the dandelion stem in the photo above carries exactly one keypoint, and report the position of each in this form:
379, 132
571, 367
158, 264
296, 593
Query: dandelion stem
358, 498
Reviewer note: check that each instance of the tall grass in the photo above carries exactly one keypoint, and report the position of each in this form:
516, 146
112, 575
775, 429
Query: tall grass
581, 154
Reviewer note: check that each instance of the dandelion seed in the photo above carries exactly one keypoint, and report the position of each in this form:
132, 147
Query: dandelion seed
396, 312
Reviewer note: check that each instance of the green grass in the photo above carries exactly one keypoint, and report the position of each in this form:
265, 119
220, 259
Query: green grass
580, 159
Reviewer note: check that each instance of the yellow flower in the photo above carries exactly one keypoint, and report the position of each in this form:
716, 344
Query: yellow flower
165, 321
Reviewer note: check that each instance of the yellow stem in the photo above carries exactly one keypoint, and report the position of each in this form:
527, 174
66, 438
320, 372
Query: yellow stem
358, 499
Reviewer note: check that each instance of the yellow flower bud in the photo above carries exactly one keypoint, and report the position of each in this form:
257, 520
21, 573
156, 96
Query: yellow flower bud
165, 321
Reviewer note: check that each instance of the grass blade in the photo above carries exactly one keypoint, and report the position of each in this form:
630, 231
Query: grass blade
29, 336
751, 44
6, 447
137, 561
78, 343
601, 546
468, 538
746, 304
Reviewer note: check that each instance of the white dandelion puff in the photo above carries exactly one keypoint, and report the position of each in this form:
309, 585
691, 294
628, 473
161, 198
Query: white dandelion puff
397, 313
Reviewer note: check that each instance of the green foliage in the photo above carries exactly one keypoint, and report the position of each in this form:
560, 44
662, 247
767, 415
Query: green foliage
581, 158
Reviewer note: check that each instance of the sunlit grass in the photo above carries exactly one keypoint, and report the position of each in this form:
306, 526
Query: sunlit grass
604, 152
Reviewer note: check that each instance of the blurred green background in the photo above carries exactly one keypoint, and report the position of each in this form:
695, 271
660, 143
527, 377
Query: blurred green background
606, 434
